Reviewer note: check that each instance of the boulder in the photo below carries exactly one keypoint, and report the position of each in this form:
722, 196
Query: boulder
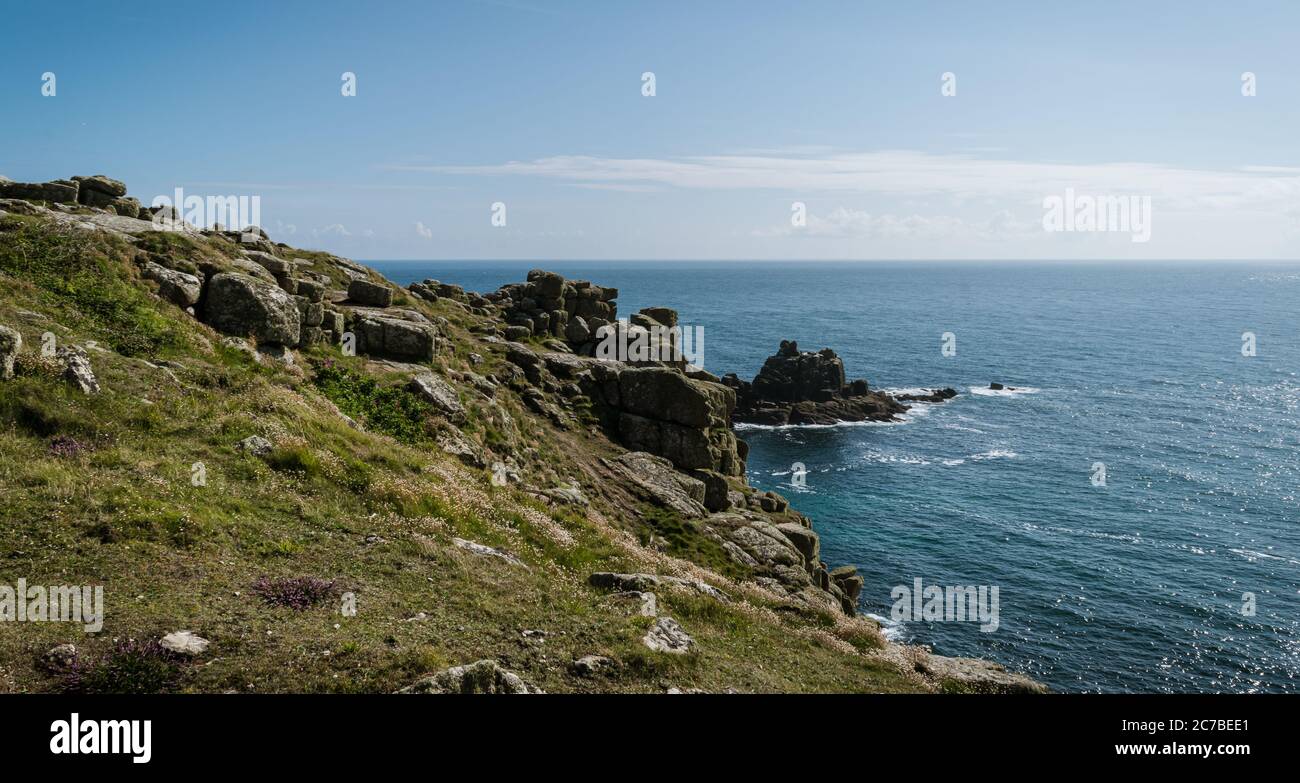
77, 370
243, 306
99, 183
975, 675
716, 489
179, 288
184, 643
370, 294
394, 338
667, 636
255, 445
438, 393
484, 676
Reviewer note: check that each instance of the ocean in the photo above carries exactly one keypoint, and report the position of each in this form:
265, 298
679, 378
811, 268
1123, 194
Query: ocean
1179, 573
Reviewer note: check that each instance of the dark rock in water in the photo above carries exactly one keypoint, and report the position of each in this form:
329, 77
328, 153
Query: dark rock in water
802, 387
935, 395
999, 387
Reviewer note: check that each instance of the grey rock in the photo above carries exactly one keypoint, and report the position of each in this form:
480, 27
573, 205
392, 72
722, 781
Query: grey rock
483, 550
243, 306
185, 643
664, 485
370, 294
591, 665
256, 445
77, 370
668, 637
179, 288
438, 393
484, 676
394, 338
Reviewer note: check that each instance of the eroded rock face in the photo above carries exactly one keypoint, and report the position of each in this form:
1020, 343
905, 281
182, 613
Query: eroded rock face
661, 483
802, 387
242, 306
484, 676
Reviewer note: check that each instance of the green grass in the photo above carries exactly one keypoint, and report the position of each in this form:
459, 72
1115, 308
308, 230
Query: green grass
87, 279
684, 538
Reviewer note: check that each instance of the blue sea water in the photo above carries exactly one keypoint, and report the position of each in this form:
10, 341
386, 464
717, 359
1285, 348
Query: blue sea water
1137, 586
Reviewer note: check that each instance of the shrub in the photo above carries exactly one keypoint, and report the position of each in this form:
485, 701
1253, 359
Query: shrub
391, 410
130, 667
295, 592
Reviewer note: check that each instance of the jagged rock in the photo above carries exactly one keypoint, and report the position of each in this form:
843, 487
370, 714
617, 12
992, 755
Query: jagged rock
802, 387
185, 643
935, 395
438, 393
370, 294
77, 370
243, 306
572, 495
577, 331
668, 637
664, 485
179, 288
716, 489
847, 579
486, 551
976, 675
660, 315
590, 665
394, 338
805, 540
11, 342
484, 676
256, 445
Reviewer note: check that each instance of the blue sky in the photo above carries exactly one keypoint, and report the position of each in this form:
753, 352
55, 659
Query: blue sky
758, 105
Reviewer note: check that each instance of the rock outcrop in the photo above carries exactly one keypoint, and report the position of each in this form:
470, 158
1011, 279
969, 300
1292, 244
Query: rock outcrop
11, 342
802, 387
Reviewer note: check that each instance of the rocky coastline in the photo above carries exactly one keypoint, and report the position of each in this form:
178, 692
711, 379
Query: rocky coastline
649, 443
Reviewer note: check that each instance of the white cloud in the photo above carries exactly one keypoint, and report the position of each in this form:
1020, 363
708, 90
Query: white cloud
911, 174
420, 229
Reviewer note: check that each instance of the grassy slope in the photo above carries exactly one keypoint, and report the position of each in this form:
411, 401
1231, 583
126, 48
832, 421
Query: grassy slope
345, 504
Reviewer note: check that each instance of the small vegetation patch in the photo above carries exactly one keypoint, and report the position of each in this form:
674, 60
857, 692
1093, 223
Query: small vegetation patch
683, 538
392, 410
295, 592
130, 667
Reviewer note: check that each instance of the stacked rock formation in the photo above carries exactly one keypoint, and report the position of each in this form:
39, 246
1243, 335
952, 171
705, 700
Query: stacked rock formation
802, 387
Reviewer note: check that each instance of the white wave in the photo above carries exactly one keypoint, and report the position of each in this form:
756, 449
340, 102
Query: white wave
995, 454
1016, 392
891, 629
743, 426
951, 462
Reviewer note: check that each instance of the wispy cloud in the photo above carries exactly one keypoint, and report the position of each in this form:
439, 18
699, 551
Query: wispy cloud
911, 174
